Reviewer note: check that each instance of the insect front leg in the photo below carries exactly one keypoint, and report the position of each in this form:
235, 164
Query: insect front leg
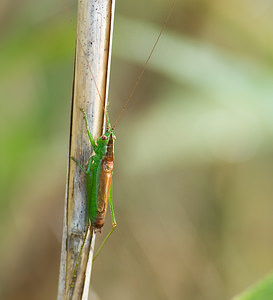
92, 141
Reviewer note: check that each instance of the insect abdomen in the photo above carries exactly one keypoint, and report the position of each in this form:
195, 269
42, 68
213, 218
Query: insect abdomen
104, 184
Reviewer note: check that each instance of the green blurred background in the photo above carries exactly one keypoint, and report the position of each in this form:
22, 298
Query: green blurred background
194, 153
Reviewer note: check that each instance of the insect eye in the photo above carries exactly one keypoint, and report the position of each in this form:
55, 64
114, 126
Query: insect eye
104, 137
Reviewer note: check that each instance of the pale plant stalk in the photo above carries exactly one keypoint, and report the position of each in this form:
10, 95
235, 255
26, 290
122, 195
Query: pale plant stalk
90, 92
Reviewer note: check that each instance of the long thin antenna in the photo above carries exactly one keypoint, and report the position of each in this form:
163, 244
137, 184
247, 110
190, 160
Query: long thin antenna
87, 61
145, 65
93, 77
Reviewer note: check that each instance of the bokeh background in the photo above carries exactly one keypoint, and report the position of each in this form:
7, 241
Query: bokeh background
194, 153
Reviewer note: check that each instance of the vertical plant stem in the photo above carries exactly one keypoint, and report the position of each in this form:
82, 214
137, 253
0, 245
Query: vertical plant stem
90, 91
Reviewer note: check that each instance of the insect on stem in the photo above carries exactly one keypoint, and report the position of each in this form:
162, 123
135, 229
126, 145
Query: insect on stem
99, 167
92, 59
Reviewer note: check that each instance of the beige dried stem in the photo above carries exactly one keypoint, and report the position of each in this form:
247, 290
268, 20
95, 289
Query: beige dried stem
90, 91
